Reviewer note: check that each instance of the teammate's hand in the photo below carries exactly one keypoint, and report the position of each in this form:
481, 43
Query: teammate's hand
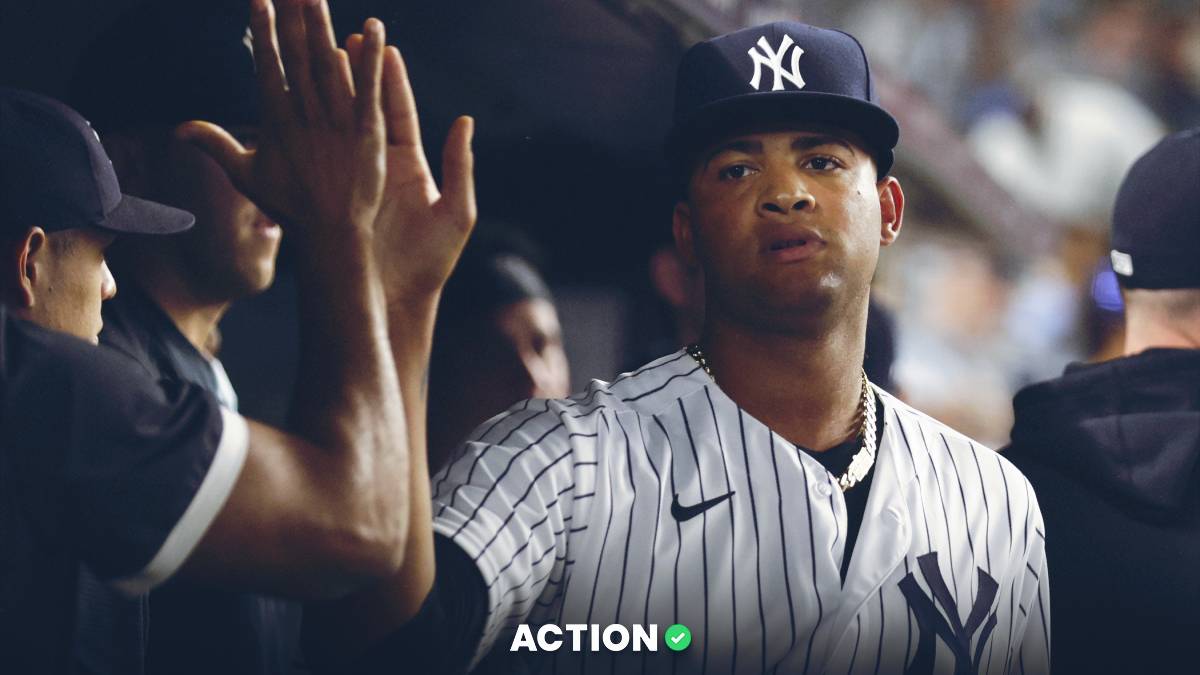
319, 162
420, 230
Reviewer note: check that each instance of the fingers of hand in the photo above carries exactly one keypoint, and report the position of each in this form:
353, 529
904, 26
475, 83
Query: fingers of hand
367, 77
399, 107
329, 71
293, 43
267, 65
219, 144
458, 172
354, 48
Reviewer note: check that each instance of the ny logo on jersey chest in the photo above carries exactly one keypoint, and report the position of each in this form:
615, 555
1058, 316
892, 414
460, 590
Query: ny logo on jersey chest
932, 624
773, 59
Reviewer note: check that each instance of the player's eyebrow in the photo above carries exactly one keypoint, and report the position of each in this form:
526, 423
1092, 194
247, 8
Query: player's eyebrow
801, 144
809, 142
744, 145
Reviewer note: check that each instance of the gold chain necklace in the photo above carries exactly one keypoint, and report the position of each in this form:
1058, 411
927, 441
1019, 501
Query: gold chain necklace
864, 459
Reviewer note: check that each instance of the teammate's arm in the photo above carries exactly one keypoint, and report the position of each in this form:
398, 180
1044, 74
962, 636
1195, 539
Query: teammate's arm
420, 231
317, 512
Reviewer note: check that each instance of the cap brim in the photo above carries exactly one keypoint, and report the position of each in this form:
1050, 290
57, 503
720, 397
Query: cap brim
709, 123
134, 215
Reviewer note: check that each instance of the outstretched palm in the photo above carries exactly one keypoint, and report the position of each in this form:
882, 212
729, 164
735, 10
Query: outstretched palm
420, 230
319, 161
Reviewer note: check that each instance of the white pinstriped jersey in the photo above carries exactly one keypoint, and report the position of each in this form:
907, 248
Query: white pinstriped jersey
565, 506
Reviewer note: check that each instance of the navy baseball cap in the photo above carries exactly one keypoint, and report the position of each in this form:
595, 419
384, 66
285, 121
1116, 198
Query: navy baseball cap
165, 63
55, 174
1156, 220
781, 72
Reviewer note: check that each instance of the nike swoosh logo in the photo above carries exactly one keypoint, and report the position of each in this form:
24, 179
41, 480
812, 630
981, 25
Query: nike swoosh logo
681, 513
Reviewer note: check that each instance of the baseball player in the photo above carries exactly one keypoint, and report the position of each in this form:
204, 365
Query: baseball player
498, 341
174, 292
1113, 447
754, 488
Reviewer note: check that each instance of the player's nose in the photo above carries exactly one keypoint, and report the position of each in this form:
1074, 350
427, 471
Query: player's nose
108, 285
785, 192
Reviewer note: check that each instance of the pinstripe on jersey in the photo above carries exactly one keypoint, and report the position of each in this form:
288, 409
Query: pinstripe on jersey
565, 507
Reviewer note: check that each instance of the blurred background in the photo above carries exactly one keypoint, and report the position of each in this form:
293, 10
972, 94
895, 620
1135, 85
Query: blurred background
1018, 120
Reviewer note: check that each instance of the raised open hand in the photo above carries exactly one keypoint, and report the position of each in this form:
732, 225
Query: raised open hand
420, 230
319, 163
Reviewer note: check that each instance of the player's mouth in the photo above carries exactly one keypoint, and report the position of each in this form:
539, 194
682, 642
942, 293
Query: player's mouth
795, 248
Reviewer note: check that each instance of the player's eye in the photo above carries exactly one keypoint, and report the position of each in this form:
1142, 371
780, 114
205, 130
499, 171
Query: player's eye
821, 163
734, 172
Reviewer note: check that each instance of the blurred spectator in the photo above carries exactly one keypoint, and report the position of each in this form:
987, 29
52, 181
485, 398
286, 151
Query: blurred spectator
497, 341
174, 291
954, 360
1171, 84
880, 352
1074, 130
926, 43
1065, 154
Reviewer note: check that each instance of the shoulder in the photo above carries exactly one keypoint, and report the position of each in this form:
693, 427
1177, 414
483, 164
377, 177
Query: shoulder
908, 418
58, 385
930, 445
34, 355
646, 390
139, 331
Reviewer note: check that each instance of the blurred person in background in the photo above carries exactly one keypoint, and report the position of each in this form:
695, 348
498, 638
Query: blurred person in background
1171, 85
1069, 136
498, 341
879, 355
927, 44
1060, 140
1113, 448
174, 291
955, 358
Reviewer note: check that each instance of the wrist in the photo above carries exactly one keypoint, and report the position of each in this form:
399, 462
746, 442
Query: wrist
351, 241
412, 309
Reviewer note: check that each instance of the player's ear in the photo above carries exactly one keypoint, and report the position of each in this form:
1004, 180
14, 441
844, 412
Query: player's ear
681, 225
24, 263
891, 210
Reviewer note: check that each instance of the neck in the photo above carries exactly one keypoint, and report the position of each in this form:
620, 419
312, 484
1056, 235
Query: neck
1162, 318
195, 318
1139, 338
807, 388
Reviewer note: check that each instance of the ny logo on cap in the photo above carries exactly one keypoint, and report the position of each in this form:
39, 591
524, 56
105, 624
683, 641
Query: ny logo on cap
774, 60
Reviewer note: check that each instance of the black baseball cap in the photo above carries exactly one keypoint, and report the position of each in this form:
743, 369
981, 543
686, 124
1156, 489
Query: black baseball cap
1156, 221
55, 174
780, 72
165, 63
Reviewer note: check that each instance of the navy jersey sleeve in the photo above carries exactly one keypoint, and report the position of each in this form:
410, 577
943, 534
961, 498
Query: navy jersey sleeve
440, 638
130, 473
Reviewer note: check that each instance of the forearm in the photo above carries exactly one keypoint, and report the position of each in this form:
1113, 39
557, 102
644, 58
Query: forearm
350, 624
411, 325
349, 402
